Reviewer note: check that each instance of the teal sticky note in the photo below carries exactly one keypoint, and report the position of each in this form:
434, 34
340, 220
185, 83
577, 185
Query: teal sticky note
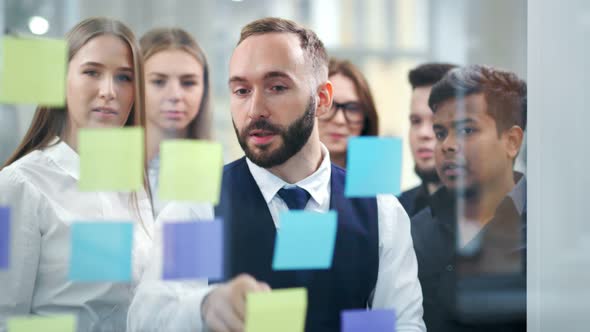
111, 159
373, 166
101, 251
305, 240
33, 71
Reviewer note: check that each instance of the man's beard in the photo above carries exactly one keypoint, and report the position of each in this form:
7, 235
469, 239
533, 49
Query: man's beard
294, 137
427, 176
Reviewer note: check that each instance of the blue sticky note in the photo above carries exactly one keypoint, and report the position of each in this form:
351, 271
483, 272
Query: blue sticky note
101, 251
374, 166
305, 240
361, 320
4, 237
193, 250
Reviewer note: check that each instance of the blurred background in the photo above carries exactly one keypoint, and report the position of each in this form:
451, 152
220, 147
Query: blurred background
385, 38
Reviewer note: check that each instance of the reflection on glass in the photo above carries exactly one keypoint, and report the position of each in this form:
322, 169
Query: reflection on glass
479, 121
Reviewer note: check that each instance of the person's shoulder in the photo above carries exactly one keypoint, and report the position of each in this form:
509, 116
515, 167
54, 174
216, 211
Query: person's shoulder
234, 164
22, 168
408, 195
337, 169
410, 192
10, 176
423, 223
31, 162
18, 178
424, 215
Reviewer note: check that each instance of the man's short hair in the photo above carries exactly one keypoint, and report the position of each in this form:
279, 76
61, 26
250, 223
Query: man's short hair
428, 74
505, 93
311, 45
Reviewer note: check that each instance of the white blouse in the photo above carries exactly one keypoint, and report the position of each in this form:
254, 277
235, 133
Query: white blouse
41, 190
154, 176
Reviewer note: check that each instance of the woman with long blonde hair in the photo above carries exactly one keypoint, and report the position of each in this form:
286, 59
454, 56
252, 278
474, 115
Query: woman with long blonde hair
177, 94
104, 89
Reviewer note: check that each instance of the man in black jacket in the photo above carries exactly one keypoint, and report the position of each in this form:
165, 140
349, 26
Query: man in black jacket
470, 243
421, 136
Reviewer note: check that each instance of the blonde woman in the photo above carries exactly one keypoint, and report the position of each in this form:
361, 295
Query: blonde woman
177, 94
40, 185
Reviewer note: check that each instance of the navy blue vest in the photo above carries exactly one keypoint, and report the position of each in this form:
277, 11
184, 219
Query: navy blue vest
249, 244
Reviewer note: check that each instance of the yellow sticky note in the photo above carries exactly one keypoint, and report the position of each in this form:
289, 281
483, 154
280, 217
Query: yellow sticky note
190, 170
280, 310
65, 323
111, 159
33, 71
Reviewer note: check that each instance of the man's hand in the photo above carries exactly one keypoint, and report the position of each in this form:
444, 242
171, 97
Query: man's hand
224, 309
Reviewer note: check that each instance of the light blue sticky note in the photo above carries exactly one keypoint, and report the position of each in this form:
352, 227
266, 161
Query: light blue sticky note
101, 251
373, 166
305, 240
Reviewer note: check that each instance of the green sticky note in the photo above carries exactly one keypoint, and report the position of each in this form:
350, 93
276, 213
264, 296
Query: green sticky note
111, 159
62, 323
280, 310
190, 170
33, 71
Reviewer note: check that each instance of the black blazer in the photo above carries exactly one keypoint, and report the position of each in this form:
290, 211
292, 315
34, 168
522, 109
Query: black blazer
414, 200
458, 304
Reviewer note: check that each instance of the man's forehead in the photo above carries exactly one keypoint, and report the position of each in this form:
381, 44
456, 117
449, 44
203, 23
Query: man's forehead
472, 106
270, 52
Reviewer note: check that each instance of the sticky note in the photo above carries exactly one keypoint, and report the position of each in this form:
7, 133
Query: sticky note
61, 323
101, 251
280, 310
4, 237
361, 320
33, 71
111, 159
373, 166
190, 170
193, 250
305, 240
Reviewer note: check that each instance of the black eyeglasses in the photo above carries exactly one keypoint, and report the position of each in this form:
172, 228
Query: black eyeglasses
353, 113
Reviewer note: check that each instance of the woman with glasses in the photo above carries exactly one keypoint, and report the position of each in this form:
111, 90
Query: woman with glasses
353, 111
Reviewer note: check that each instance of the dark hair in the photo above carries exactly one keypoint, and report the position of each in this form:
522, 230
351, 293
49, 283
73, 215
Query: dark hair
429, 73
504, 92
161, 39
310, 43
346, 68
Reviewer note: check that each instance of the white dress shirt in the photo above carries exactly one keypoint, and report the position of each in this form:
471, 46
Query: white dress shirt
154, 176
176, 305
41, 190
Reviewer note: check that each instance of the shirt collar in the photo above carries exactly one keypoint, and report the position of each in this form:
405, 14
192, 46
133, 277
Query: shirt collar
315, 184
518, 193
64, 156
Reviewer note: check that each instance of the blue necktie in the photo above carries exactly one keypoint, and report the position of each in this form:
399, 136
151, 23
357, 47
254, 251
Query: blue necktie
296, 198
